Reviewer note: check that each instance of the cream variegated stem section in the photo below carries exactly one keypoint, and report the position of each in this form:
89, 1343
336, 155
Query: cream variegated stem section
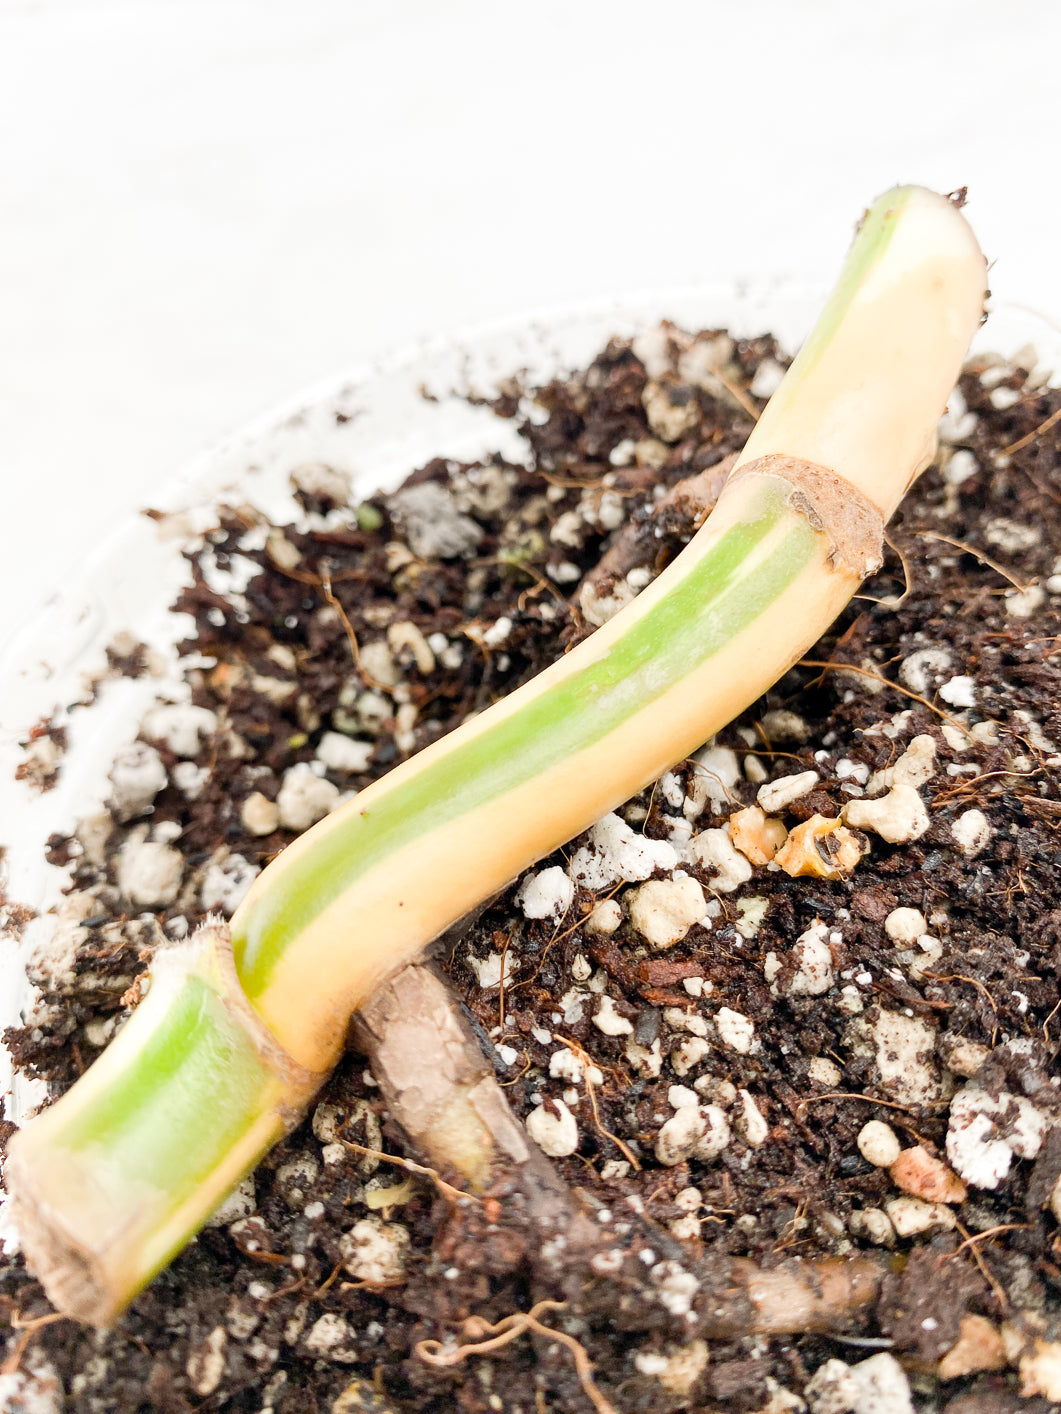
218, 1060
387, 913
866, 391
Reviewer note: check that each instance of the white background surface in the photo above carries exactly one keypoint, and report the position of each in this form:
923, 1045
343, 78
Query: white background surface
206, 204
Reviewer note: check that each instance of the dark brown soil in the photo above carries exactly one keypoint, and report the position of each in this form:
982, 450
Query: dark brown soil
259, 1313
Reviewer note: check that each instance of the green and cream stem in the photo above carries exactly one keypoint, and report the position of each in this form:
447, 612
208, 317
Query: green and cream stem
238, 1029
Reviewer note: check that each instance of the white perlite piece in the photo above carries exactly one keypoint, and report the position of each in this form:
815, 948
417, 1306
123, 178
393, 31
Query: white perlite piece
597, 608
909, 1216
720, 771
904, 1051
547, 894
833, 1389
190, 778
374, 1250
882, 1386
500, 629
678, 1096
767, 379
652, 348
751, 1122
971, 832
32, 1391
259, 815
778, 795
663, 910
814, 963
240, 1203
330, 1335
605, 918
676, 1289
735, 1030
825, 1072
377, 663
750, 915
965, 1058
616, 854
1040, 1370
957, 424
182, 726
294, 1177
898, 817
1023, 603
960, 466
713, 849
874, 1225
959, 691
679, 1371
878, 1144
670, 414
149, 873
205, 1364
609, 1021
318, 479
688, 1055
344, 754
905, 925
554, 1129
700, 1131
225, 882
488, 969
55, 940
433, 526
645, 1060
136, 777
914, 767
565, 1065
921, 671
304, 798
784, 728
984, 1133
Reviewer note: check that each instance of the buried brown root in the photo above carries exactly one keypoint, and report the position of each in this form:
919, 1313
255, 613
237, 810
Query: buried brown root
440, 1088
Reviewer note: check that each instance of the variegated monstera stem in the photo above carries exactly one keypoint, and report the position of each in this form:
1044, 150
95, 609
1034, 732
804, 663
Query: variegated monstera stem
236, 1031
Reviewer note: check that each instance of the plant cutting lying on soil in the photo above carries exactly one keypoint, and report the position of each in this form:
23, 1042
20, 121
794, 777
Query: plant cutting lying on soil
124, 1167
246, 1022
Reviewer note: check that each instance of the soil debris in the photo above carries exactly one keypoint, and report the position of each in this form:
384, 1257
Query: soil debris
832, 1078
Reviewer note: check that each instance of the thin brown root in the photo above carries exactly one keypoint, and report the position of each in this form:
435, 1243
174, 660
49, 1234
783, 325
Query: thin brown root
493, 1337
348, 628
985, 1272
851, 1095
737, 394
983, 1236
973, 982
455, 1195
968, 549
1031, 436
879, 677
892, 602
559, 938
587, 1061
14, 1360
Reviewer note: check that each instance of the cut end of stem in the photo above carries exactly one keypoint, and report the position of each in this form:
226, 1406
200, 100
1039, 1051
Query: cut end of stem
113, 1179
866, 391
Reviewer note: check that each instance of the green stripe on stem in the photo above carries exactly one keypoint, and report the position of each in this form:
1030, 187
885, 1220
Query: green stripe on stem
195, 1090
870, 243
700, 614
